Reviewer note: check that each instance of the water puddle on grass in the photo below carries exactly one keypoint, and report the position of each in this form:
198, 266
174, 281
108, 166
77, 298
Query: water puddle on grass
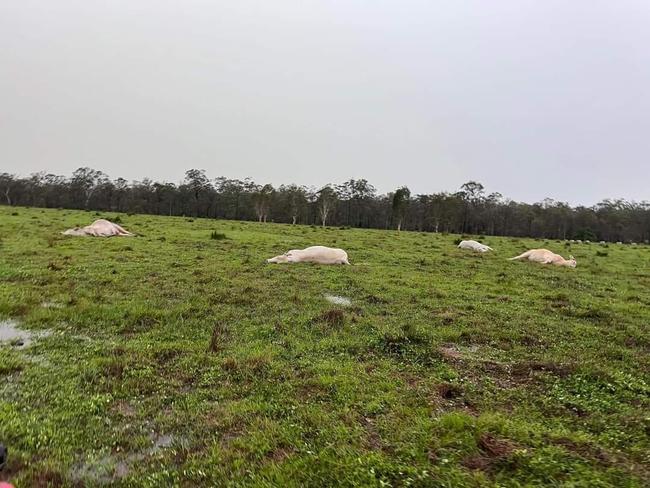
108, 468
160, 442
18, 338
338, 300
98, 471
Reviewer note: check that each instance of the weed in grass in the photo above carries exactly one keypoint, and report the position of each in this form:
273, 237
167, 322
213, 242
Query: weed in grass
218, 236
333, 318
218, 337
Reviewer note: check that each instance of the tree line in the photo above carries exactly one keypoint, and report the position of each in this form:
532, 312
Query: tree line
354, 203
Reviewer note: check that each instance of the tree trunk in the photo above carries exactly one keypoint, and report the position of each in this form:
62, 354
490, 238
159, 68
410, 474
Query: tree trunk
90, 194
324, 212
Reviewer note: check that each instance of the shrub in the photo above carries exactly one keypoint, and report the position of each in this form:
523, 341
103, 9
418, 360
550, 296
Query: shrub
218, 236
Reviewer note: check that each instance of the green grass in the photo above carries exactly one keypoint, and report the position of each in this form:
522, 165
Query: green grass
177, 358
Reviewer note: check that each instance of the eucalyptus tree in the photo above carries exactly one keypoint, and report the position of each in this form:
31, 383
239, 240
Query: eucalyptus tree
327, 199
7, 182
83, 184
293, 201
198, 184
401, 200
262, 197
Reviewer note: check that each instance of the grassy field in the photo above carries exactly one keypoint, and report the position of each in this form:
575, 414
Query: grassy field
180, 358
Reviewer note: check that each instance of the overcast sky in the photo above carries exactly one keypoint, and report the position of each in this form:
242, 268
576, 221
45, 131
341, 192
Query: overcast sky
532, 98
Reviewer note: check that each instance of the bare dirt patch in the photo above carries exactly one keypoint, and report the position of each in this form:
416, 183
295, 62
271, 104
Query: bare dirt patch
493, 450
333, 318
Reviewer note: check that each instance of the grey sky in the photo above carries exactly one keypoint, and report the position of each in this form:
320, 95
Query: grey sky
532, 98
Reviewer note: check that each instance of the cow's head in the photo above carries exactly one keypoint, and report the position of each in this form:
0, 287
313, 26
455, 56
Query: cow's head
572, 262
287, 257
74, 232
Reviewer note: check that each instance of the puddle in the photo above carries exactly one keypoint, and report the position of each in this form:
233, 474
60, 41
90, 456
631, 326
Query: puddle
337, 300
121, 470
108, 468
161, 442
19, 338
100, 470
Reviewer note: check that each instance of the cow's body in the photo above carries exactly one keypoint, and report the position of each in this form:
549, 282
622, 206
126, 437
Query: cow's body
474, 246
314, 254
545, 256
99, 228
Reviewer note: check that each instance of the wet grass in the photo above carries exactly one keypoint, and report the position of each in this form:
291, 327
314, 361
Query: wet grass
178, 358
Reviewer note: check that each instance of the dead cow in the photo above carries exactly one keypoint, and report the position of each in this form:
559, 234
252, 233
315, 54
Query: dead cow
474, 246
99, 228
313, 254
545, 256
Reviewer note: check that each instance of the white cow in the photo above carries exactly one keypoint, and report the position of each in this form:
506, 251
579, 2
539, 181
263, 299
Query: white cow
545, 256
474, 246
99, 228
313, 254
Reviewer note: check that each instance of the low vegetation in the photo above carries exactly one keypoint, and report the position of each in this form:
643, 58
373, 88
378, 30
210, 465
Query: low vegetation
175, 359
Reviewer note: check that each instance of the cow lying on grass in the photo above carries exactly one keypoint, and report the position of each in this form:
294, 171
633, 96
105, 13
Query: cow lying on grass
99, 228
474, 246
545, 256
314, 254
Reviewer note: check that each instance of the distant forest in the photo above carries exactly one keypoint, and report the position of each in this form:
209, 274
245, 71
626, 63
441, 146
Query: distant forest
355, 203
